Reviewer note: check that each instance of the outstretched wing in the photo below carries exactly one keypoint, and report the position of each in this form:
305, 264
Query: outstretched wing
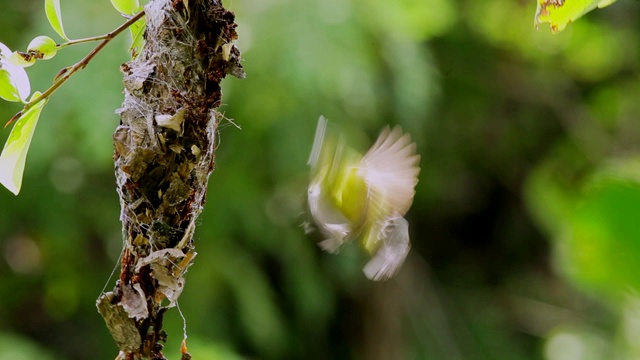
324, 161
390, 169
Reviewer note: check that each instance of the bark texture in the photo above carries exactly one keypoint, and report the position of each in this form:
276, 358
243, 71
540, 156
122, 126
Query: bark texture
164, 153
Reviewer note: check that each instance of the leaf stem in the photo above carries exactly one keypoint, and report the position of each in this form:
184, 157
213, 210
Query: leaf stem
63, 76
81, 41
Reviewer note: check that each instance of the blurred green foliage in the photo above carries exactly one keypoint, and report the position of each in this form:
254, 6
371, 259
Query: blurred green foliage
525, 244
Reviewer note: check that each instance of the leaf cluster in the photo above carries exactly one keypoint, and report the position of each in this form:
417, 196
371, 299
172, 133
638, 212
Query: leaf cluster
15, 85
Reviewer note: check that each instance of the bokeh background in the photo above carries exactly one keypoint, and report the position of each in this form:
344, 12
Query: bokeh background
525, 225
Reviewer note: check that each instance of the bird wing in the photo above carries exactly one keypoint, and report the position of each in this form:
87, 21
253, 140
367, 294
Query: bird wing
330, 221
391, 169
317, 142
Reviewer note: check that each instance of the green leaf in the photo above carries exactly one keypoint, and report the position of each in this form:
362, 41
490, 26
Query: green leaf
8, 90
126, 7
14, 82
137, 38
560, 13
42, 47
52, 8
14, 153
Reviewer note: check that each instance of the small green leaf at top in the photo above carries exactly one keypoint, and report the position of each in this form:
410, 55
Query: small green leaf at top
14, 82
126, 7
14, 153
54, 15
560, 13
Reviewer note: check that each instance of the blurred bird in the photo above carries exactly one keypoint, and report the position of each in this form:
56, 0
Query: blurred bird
353, 196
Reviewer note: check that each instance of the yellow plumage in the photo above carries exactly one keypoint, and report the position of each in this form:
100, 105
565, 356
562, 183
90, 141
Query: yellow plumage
353, 196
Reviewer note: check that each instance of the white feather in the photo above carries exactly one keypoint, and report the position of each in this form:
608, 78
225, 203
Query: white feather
390, 169
317, 142
392, 252
330, 221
